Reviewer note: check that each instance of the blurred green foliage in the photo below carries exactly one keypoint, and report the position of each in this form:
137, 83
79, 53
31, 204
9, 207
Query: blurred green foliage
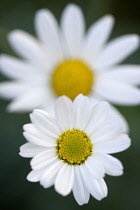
17, 192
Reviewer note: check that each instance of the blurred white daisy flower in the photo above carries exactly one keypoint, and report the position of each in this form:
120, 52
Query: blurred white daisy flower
70, 147
67, 61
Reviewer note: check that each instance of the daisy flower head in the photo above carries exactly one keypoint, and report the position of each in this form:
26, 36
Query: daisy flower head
65, 60
70, 147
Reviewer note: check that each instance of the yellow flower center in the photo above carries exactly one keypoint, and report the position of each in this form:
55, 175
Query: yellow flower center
71, 78
74, 147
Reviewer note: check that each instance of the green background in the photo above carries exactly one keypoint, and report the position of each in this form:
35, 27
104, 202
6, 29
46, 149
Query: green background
16, 191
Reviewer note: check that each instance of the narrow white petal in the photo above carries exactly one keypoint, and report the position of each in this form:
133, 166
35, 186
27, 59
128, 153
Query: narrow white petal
111, 164
46, 123
79, 191
72, 23
129, 74
28, 100
117, 50
96, 37
43, 159
106, 131
98, 114
17, 69
117, 145
36, 136
64, 180
81, 111
48, 177
46, 142
91, 184
27, 47
117, 92
10, 90
64, 113
35, 175
30, 150
94, 168
48, 31
103, 186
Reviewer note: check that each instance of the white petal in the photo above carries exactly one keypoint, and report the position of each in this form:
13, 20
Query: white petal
64, 113
49, 108
117, 145
11, 90
72, 23
48, 177
79, 191
43, 159
16, 69
106, 131
34, 175
91, 183
37, 137
46, 142
111, 164
103, 186
93, 101
114, 112
117, 50
46, 123
64, 180
48, 32
97, 115
82, 111
28, 100
30, 150
129, 74
96, 37
94, 168
118, 92
28, 47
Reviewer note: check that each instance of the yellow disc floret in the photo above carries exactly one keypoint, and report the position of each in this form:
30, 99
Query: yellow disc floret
71, 78
74, 147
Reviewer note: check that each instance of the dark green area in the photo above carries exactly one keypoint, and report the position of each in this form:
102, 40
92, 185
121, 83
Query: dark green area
16, 191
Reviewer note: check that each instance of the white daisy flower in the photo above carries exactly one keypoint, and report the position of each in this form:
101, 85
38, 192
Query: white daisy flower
71, 146
67, 61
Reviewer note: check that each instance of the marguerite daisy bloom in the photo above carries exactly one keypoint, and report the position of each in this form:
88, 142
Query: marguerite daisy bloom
67, 61
70, 147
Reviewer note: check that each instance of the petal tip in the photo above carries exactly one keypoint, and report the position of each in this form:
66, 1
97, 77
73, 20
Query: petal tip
20, 153
13, 34
41, 13
110, 17
135, 40
2, 58
72, 6
10, 108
